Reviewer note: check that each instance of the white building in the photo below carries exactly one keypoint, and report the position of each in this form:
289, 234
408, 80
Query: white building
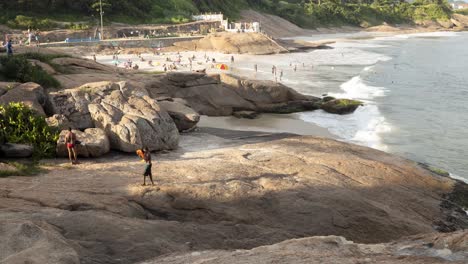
230, 27
208, 17
457, 6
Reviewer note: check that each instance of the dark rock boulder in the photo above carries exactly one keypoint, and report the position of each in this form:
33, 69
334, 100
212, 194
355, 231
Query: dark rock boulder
289, 107
245, 114
341, 106
10, 150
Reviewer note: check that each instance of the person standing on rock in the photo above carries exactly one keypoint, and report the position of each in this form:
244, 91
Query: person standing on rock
70, 140
149, 164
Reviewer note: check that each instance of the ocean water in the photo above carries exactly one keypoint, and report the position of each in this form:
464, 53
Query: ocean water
415, 89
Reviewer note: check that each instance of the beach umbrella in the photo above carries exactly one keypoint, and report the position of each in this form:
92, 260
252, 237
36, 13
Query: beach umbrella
222, 66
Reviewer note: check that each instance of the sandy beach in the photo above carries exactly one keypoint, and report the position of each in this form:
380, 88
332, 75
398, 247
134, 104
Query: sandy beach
272, 123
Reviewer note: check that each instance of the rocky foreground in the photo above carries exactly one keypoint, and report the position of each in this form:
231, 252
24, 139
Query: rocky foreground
224, 190
216, 190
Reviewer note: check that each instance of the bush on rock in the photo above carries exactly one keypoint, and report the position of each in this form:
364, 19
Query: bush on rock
20, 124
19, 69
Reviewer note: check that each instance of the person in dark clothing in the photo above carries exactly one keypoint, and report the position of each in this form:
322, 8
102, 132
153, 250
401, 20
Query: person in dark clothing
9, 48
149, 164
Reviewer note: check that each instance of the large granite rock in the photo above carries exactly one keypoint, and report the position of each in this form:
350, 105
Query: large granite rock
261, 92
221, 95
73, 103
30, 94
184, 117
133, 122
94, 143
10, 150
25, 241
204, 93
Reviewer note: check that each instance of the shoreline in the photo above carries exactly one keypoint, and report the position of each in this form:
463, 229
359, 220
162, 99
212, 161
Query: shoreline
299, 127
270, 123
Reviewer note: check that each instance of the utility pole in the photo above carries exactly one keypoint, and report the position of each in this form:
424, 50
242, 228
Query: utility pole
102, 23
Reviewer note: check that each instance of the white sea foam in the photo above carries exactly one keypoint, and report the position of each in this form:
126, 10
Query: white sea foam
458, 178
362, 127
357, 89
347, 56
416, 35
356, 44
365, 125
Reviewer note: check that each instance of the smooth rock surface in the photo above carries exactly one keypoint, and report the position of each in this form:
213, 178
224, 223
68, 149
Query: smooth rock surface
34, 243
229, 190
332, 249
184, 117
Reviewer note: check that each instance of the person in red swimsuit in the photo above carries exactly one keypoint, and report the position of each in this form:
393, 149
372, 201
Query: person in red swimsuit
70, 139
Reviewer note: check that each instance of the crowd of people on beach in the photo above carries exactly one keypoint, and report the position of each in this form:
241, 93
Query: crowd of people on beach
177, 61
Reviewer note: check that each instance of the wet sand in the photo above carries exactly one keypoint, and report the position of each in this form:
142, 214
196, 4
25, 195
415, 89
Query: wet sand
272, 123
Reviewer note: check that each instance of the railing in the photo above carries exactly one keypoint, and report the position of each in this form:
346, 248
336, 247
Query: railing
69, 40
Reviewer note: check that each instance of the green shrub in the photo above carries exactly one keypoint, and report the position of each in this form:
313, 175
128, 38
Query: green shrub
25, 22
18, 68
78, 26
432, 12
22, 125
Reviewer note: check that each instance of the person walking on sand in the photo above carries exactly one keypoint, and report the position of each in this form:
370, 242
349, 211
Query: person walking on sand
149, 165
232, 59
256, 67
281, 75
70, 140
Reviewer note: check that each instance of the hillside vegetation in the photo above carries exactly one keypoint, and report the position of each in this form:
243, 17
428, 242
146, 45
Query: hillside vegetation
41, 14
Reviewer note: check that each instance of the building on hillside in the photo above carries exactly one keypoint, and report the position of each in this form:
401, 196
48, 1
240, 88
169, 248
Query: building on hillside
459, 5
229, 26
209, 17
243, 27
